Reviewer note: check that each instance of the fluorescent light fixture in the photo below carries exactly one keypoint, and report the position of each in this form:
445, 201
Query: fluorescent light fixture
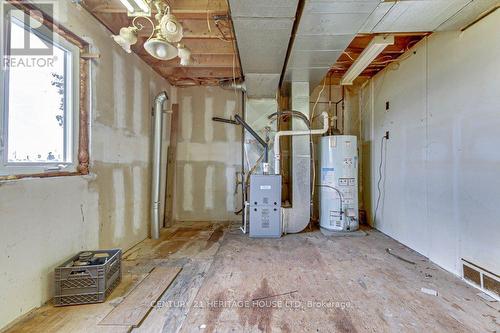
134, 6
128, 5
376, 46
142, 5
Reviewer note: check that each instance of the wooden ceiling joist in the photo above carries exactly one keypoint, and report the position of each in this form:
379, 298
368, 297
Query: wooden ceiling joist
211, 42
199, 60
403, 42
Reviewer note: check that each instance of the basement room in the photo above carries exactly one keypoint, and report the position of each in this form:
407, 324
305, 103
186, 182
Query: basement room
249, 166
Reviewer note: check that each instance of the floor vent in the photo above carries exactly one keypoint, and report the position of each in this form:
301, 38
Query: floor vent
486, 280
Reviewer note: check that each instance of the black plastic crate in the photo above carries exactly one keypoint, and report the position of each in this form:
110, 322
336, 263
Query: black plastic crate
87, 284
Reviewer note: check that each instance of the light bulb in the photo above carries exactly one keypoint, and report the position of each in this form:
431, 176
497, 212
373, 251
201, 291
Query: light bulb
171, 27
161, 51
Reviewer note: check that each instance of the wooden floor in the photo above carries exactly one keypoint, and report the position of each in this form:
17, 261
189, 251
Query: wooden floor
299, 283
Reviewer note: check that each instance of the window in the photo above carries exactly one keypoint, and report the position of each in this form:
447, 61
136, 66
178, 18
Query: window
40, 99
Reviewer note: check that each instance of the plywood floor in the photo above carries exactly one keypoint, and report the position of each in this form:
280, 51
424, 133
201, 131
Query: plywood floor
299, 283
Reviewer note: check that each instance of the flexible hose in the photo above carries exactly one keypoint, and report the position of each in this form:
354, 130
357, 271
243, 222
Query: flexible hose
340, 197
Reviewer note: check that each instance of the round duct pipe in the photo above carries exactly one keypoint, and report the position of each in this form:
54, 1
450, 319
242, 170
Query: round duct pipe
156, 173
233, 85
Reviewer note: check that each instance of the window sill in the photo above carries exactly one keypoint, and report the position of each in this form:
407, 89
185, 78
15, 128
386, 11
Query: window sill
42, 175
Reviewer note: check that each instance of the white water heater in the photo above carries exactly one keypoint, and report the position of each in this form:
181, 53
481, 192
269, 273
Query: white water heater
338, 183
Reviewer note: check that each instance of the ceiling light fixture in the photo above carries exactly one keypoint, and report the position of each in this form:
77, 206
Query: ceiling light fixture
128, 5
142, 5
134, 6
185, 55
170, 28
127, 38
166, 32
160, 48
376, 46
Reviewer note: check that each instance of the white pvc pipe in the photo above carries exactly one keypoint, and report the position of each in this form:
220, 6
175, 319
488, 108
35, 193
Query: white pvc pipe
291, 133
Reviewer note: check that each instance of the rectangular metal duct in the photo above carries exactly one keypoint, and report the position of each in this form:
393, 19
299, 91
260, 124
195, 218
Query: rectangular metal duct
263, 29
324, 31
326, 28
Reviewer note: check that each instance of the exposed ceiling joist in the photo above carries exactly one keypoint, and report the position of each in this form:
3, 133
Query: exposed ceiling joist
199, 14
208, 37
199, 60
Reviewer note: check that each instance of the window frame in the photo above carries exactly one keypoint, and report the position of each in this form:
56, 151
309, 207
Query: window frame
76, 134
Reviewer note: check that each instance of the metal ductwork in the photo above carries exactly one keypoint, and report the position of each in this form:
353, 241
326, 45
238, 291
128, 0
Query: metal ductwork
324, 31
156, 173
233, 85
263, 29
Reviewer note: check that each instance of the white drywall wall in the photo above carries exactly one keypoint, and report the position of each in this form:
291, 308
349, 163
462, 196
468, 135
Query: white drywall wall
208, 155
441, 165
45, 221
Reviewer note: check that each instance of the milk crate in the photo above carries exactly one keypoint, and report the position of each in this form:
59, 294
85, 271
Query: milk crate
87, 284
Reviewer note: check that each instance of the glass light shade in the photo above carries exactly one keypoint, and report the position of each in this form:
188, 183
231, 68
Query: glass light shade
126, 38
185, 54
171, 29
160, 49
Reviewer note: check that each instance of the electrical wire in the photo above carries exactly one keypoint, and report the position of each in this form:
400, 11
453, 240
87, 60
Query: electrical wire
208, 17
379, 191
217, 25
311, 116
292, 113
233, 44
349, 56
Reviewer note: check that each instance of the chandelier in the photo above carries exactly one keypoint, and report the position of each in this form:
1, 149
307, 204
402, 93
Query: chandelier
164, 41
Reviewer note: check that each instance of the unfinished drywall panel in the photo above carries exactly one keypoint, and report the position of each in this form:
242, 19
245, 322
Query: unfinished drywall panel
45, 221
464, 159
208, 155
123, 91
440, 166
402, 191
365, 147
257, 112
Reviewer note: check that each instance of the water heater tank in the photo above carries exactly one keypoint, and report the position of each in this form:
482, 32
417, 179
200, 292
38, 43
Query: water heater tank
339, 181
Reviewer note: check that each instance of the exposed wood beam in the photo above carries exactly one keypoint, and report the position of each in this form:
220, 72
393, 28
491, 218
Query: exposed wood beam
179, 13
188, 8
198, 60
198, 72
213, 59
199, 46
190, 35
196, 4
195, 29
